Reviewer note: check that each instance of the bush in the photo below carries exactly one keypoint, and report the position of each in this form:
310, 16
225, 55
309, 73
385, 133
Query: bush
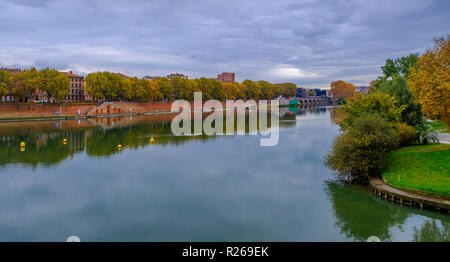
359, 152
426, 134
379, 103
398, 88
405, 133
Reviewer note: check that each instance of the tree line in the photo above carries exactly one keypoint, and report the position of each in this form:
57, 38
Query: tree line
393, 113
107, 86
23, 84
112, 87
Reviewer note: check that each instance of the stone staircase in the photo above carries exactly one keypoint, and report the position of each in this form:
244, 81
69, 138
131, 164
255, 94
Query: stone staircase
100, 109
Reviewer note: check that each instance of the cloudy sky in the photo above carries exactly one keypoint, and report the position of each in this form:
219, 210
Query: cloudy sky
310, 43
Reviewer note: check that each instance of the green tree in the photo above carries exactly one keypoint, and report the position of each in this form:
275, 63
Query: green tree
373, 103
206, 87
400, 66
95, 85
26, 83
54, 83
115, 87
267, 89
137, 89
5, 82
217, 90
359, 152
166, 88
398, 88
251, 89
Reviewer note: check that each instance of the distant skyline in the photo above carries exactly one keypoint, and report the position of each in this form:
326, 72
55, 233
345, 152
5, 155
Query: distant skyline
310, 43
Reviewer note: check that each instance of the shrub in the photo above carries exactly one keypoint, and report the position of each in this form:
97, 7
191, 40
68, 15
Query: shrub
359, 152
379, 103
426, 134
405, 133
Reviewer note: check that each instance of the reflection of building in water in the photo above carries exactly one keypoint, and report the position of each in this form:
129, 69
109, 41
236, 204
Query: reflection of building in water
76, 139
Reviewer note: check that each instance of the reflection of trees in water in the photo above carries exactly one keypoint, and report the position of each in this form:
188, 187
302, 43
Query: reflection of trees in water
336, 114
46, 148
360, 217
430, 231
99, 137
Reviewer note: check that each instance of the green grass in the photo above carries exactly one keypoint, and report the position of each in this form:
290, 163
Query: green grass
422, 168
439, 126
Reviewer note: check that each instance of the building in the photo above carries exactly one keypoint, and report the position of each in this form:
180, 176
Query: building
301, 92
11, 70
77, 91
172, 76
320, 92
226, 77
362, 89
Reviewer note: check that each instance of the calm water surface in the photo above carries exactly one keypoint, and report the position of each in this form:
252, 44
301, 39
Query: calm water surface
224, 188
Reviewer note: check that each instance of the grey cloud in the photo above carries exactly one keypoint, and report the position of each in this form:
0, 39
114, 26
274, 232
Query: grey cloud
347, 40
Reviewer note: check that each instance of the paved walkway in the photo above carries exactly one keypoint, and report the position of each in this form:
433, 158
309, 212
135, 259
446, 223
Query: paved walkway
388, 192
444, 138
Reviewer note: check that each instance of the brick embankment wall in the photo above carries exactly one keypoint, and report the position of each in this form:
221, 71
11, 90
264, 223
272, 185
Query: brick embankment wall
20, 111
39, 110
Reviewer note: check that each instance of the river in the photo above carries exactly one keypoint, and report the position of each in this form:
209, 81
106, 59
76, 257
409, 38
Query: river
193, 188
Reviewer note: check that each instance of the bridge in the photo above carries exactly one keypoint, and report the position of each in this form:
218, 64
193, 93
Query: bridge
314, 101
307, 101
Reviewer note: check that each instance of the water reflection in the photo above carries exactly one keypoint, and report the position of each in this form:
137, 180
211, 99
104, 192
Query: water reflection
431, 231
360, 215
99, 137
191, 188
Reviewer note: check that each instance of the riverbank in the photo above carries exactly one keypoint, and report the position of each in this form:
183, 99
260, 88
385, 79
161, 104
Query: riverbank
401, 196
420, 169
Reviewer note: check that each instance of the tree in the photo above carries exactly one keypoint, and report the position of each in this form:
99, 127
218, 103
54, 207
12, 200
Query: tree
95, 85
430, 80
252, 91
54, 83
359, 152
154, 92
311, 92
25, 83
217, 90
342, 89
166, 88
5, 82
400, 66
267, 90
375, 102
398, 88
182, 88
205, 87
137, 89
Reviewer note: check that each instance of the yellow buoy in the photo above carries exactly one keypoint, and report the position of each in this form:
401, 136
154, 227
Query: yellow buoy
119, 147
64, 141
152, 140
22, 144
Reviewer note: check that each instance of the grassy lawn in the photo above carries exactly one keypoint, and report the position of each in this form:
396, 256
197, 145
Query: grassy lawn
423, 168
439, 126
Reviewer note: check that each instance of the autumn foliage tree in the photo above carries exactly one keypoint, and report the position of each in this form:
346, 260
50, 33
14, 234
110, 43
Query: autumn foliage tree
5, 82
342, 89
56, 84
430, 80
